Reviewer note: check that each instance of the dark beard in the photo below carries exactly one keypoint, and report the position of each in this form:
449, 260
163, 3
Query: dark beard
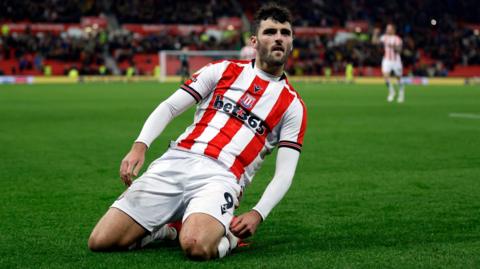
270, 60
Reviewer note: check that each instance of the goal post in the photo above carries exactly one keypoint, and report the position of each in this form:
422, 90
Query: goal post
170, 61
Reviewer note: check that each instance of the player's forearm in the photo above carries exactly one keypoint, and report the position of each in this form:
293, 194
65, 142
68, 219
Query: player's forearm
162, 115
275, 191
285, 169
155, 124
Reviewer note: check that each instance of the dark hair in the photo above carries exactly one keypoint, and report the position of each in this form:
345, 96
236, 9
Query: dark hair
271, 11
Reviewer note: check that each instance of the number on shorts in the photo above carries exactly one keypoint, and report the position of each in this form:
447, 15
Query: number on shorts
229, 204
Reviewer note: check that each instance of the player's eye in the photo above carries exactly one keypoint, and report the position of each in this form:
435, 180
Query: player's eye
286, 32
270, 31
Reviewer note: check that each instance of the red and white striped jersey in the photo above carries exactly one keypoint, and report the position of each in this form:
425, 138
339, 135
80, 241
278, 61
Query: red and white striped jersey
389, 43
242, 114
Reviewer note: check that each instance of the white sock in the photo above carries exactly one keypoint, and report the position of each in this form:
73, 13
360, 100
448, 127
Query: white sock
228, 243
223, 247
401, 90
165, 232
391, 89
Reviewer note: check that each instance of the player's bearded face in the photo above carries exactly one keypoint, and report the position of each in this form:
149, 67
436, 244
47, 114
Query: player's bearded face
274, 42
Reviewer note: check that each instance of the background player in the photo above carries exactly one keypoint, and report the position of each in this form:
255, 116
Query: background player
391, 62
248, 52
184, 65
245, 109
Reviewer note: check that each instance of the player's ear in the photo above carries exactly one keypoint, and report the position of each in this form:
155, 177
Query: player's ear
253, 41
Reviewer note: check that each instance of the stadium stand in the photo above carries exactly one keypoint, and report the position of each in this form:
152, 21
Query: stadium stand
441, 38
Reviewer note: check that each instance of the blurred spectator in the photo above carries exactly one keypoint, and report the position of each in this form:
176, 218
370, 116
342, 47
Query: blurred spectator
436, 34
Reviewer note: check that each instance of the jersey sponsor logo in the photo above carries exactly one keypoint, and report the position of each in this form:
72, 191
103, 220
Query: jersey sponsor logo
241, 113
247, 101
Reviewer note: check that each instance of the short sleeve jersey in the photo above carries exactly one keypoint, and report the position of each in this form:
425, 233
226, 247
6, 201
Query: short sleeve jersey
242, 114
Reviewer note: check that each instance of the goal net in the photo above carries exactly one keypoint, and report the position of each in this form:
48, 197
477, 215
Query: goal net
184, 63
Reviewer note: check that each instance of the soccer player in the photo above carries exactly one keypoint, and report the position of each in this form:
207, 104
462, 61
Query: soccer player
244, 110
391, 62
184, 65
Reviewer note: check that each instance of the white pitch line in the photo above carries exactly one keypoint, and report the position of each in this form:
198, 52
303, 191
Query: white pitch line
465, 115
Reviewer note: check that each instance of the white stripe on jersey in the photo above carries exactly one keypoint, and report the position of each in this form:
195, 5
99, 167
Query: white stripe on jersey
295, 105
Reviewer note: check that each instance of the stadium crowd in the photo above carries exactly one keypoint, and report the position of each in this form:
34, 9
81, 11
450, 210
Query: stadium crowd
437, 35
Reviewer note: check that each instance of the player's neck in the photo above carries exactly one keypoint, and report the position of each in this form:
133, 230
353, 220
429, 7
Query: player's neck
276, 71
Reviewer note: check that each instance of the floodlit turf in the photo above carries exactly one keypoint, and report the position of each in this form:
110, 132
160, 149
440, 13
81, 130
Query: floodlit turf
379, 185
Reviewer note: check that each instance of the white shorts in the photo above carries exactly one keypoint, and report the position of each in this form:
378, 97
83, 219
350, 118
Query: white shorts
178, 184
388, 66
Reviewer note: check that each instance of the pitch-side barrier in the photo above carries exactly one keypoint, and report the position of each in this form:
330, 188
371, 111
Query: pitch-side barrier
317, 79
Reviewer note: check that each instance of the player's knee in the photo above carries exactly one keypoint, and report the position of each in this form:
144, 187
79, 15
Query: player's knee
97, 243
195, 250
199, 253
101, 242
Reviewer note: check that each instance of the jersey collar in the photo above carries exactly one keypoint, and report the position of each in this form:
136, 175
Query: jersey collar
266, 75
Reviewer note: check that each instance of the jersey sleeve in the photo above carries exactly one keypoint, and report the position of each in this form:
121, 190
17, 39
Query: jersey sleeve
177, 103
204, 80
294, 124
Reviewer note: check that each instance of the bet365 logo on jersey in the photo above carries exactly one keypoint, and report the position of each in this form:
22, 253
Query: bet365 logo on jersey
240, 113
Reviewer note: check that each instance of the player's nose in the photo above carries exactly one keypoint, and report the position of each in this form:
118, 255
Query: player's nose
278, 37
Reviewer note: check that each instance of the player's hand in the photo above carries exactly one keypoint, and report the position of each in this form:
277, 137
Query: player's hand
246, 224
132, 163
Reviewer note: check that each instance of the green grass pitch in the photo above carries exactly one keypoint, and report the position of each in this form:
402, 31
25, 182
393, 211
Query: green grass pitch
379, 185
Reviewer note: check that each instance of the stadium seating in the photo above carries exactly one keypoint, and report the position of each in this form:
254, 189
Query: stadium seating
449, 47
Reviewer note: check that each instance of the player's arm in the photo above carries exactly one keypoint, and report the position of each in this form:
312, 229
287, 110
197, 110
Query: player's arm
194, 90
376, 36
177, 103
246, 224
291, 135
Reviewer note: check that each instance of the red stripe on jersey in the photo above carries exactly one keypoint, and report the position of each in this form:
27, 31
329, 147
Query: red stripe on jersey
255, 145
193, 78
303, 126
233, 125
389, 48
229, 76
386, 48
392, 52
